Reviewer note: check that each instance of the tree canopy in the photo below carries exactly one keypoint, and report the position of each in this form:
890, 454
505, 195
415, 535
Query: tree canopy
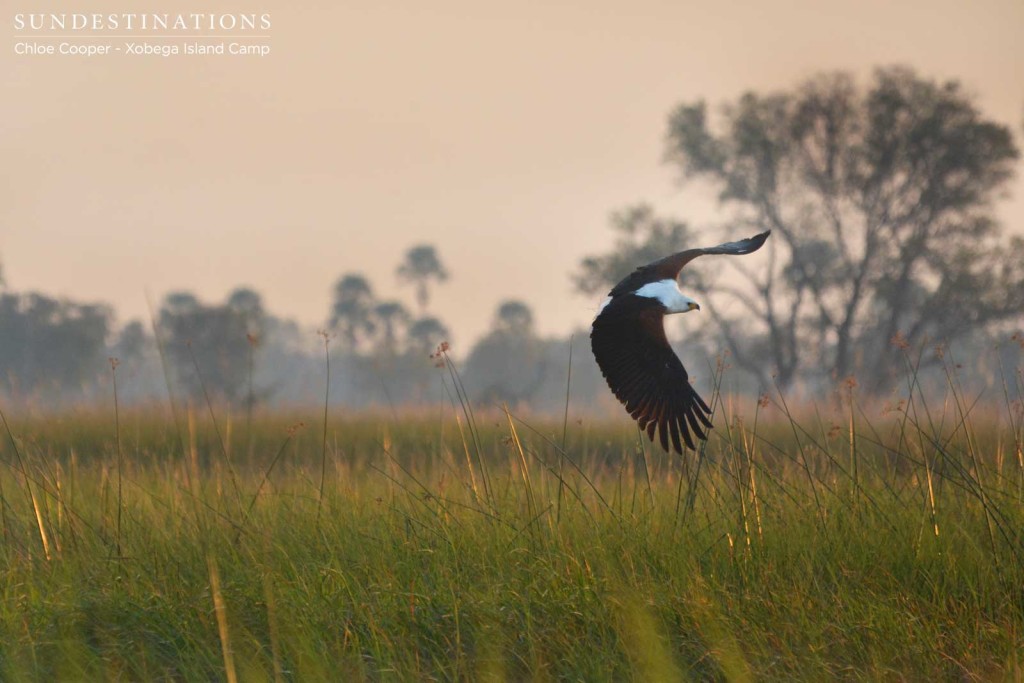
352, 309
209, 346
880, 199
51, 343
421, 266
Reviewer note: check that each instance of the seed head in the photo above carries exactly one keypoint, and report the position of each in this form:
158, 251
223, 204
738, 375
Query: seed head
440, 356
833, 431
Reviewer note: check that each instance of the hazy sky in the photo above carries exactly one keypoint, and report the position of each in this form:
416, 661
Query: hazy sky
504, 136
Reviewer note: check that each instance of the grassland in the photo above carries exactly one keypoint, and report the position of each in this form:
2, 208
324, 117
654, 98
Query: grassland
858, 543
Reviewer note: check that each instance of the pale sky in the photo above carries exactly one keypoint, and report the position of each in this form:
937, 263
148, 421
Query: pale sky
502, 134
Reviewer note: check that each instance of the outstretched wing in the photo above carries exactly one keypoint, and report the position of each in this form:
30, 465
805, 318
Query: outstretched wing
629, 343
668, 268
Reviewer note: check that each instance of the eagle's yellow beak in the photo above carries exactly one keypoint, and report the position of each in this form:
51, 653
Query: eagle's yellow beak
694, 306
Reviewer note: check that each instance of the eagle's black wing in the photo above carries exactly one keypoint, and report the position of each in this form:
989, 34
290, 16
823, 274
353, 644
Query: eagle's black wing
668, 268
629, 343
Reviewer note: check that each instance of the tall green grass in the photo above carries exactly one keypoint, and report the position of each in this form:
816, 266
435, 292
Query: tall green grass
861, 541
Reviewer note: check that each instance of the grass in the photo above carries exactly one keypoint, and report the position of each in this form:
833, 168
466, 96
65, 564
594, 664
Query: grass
857, 544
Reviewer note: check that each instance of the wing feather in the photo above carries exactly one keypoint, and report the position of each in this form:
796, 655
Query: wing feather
692, 419
673, 425
686, 432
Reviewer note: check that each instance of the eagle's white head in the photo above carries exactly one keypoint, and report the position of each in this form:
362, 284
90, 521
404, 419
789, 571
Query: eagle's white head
667, 292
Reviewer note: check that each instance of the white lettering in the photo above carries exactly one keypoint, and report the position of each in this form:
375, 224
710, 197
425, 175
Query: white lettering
33, 49
204, 49
150, 49
258, 50
87, 50
145, 21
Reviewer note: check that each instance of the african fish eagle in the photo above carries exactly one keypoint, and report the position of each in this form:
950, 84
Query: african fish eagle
629, 343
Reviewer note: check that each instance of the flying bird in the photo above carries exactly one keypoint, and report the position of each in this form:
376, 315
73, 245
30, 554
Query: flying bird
629, 343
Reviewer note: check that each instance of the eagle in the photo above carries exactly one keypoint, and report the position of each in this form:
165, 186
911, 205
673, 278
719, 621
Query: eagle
629, 343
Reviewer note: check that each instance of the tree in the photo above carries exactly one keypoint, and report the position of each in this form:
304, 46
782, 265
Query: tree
209, 345
131, 342
180, 302
392, 316
509, 364
425, 334
47, 342
248, 305
421, 265
514, 318
880, 203
352, 309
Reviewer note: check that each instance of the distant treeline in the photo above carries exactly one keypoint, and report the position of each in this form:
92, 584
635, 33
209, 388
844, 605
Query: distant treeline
377, 353
58, 353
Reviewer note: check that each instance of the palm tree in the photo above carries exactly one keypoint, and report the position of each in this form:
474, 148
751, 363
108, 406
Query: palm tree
422, 265
351, 312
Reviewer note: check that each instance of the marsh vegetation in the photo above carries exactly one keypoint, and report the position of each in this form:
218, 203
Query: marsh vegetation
865, 541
